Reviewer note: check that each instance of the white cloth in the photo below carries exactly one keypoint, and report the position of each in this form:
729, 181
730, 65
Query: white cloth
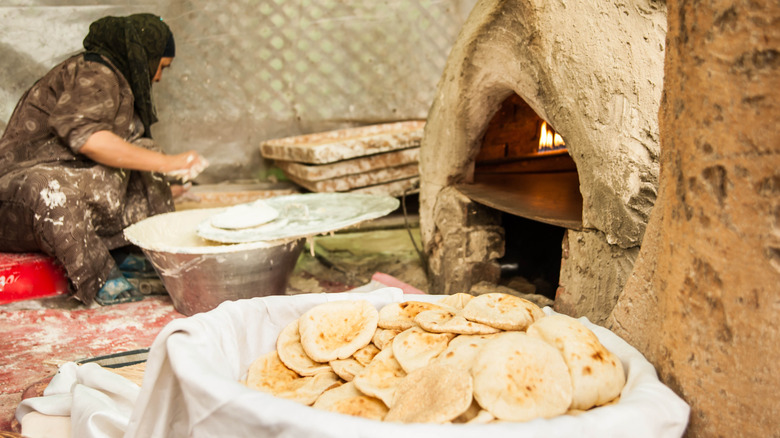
98, 401
191, 387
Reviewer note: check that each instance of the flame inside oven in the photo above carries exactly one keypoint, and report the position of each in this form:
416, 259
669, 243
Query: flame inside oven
549, 140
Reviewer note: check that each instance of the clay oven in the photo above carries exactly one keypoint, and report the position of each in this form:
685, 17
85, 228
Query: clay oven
701, 300
592, 71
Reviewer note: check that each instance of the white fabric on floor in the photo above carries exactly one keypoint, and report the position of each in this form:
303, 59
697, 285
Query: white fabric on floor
97, 401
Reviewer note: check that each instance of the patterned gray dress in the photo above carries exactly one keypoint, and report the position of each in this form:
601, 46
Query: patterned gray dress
54, 199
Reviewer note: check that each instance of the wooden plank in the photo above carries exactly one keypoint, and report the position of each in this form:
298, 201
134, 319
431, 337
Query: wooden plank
553, 198
398, 188
331, 146
350, 182
548, 162
222, 195
319, 172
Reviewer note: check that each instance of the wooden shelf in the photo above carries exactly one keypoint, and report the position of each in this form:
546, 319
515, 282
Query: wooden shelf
550, 197
557, 161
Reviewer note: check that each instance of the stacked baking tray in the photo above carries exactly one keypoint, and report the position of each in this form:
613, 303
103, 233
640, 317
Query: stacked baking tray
374, 159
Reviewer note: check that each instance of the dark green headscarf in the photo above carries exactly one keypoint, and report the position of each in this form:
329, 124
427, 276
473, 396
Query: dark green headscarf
134, 44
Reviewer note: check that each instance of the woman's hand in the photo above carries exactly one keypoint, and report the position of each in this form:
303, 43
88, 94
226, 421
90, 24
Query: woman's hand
186, 166
107, 148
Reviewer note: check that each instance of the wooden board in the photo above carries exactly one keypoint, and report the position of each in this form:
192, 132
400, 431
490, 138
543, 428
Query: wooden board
319, 172
553, 198
396, 189
350, 182
331, 146
557, 161
223, 195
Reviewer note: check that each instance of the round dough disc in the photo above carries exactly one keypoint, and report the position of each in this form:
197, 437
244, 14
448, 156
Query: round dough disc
244, 216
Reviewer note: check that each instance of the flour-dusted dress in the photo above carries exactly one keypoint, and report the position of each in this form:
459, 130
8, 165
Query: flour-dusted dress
56, 200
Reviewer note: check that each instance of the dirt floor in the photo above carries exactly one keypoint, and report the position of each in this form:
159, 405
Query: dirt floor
38, 335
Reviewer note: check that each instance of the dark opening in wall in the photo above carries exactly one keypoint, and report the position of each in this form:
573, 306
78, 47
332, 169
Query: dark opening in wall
532, 258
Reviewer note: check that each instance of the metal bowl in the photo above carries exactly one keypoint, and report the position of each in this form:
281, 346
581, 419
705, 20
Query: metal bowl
199, 274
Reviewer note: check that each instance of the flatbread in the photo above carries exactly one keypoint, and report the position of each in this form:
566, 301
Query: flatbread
384, 337
268, 374
469, 414
244, 216
502, 311
346, 399
456, 300
414, 348
337, 329
462, 350
518, 378
366, 354
432, 394
597, 374
556, 366
290, 350
347, 369
400, 316
482, 417
451, 321
380, 377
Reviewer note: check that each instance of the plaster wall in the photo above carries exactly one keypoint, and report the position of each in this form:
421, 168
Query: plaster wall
251, 70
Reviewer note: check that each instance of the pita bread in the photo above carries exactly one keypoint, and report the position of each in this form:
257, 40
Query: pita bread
347, 369
503, 311
432, 394
268, 374
596, 373
414, 348
462, 351
400, 316
380, 377
451, 321
383, 337
482, 417
244, 216
518, 378
337, 329
457, 300
346, 399
290, 350
366, 354
470, 413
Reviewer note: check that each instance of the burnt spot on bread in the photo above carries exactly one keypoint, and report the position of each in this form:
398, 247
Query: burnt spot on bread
599, 356
587, 371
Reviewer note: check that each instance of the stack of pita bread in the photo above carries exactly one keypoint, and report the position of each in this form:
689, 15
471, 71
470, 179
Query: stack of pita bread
462, 359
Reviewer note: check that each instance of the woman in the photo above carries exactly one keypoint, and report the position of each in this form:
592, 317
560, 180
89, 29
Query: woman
77, 163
